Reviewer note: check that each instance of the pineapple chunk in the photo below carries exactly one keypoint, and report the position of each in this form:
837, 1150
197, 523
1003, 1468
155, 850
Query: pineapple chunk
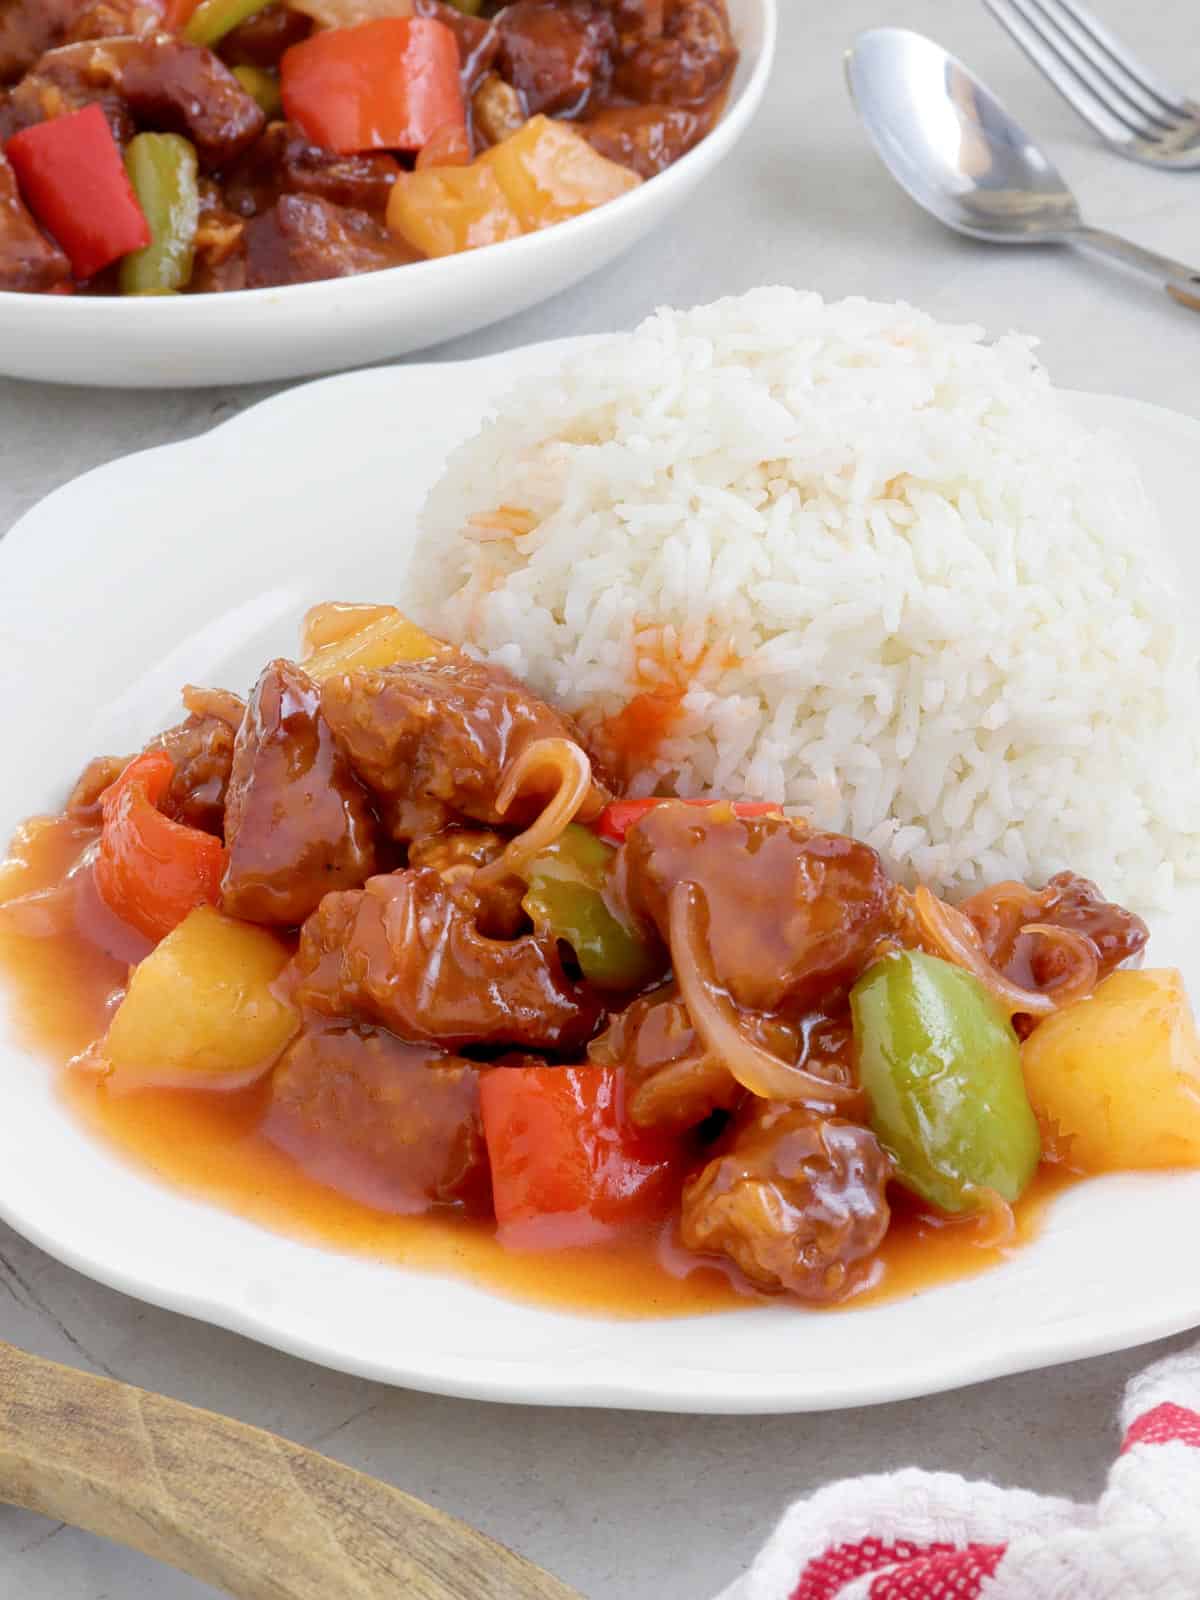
542, 174
337, 619
550, 172
441, 211
199, 1011
1115, 1080
384, 640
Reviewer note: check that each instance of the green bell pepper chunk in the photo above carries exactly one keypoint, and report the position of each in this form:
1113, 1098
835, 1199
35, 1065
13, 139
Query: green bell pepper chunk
941, 1066
264, 86
565, 900
162, 170
213, 19
471, 7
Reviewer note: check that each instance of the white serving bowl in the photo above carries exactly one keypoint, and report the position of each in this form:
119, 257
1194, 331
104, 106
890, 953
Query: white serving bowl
255, 335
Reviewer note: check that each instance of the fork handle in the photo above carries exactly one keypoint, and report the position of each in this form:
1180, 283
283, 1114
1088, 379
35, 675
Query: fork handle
1181, 283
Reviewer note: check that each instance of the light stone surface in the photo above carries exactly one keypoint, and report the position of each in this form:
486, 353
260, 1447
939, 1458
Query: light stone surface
625, 1505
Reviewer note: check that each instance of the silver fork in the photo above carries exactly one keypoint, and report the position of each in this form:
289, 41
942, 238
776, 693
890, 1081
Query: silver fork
1128, 105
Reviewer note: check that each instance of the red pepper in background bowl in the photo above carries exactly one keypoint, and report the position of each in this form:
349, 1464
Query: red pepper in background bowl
151, 871
72, 178
385, 85
568, 1167
615, 821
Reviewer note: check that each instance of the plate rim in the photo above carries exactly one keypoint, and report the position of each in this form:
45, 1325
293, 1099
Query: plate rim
682, 1388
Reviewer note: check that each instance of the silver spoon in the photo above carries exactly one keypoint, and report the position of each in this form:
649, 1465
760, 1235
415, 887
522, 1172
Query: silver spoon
951, 144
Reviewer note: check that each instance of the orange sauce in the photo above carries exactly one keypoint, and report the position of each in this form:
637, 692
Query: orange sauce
630, 739
211, 1145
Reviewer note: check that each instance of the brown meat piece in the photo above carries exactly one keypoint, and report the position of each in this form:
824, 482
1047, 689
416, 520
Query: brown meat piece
395, 1126
798, 1202
182, 88
672, 1082
1067, 901
557, 54
111, 19
793, 916
29, 261
202, 749
66, 80
218, 276
432, 739
160, 83
478, 39
458, 853
303, 239
406, 952
456, 856
497, 111
640, 17
647, 139
28, 28
261, 40
297, 823
220, 259
686, 64
284, 161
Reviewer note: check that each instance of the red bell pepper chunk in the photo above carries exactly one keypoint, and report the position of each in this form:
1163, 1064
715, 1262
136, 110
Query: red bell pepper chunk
178, 14
151, 871
567, 1165
384, 85
615, 821
72, 178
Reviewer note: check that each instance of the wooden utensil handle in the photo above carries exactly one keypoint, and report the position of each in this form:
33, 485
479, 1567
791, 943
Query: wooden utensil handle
234, 1506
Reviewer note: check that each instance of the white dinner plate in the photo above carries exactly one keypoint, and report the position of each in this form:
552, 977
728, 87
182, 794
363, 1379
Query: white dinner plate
193, 563
253, 335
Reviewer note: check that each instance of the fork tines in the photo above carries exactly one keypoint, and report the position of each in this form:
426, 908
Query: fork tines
1110, 88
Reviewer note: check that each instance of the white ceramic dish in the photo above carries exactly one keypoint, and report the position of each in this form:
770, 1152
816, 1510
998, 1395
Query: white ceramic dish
193, 563
261, 334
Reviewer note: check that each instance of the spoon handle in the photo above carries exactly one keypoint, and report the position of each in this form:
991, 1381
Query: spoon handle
244, 1510
1181, 283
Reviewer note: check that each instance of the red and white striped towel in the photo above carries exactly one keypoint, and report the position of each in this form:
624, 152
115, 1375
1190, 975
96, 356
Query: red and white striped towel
934, 1536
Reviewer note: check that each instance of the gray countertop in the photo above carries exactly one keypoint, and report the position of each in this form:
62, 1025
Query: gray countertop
620, 1504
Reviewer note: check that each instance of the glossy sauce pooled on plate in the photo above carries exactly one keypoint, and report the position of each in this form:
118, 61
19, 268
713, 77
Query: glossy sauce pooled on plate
213, 1146
380, 959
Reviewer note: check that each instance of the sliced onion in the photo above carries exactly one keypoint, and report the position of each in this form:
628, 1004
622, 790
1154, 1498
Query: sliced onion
573, 770
1088, 972
714, 1016
348, 13
956, 939
1008, 893
222, 704
994, 1219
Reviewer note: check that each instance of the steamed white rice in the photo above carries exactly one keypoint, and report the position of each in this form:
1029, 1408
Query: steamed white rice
905, 591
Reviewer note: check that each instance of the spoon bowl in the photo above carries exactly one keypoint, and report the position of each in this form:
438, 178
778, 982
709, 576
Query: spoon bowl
948, 141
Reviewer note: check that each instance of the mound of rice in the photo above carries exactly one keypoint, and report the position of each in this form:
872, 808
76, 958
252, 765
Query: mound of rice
896, 584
